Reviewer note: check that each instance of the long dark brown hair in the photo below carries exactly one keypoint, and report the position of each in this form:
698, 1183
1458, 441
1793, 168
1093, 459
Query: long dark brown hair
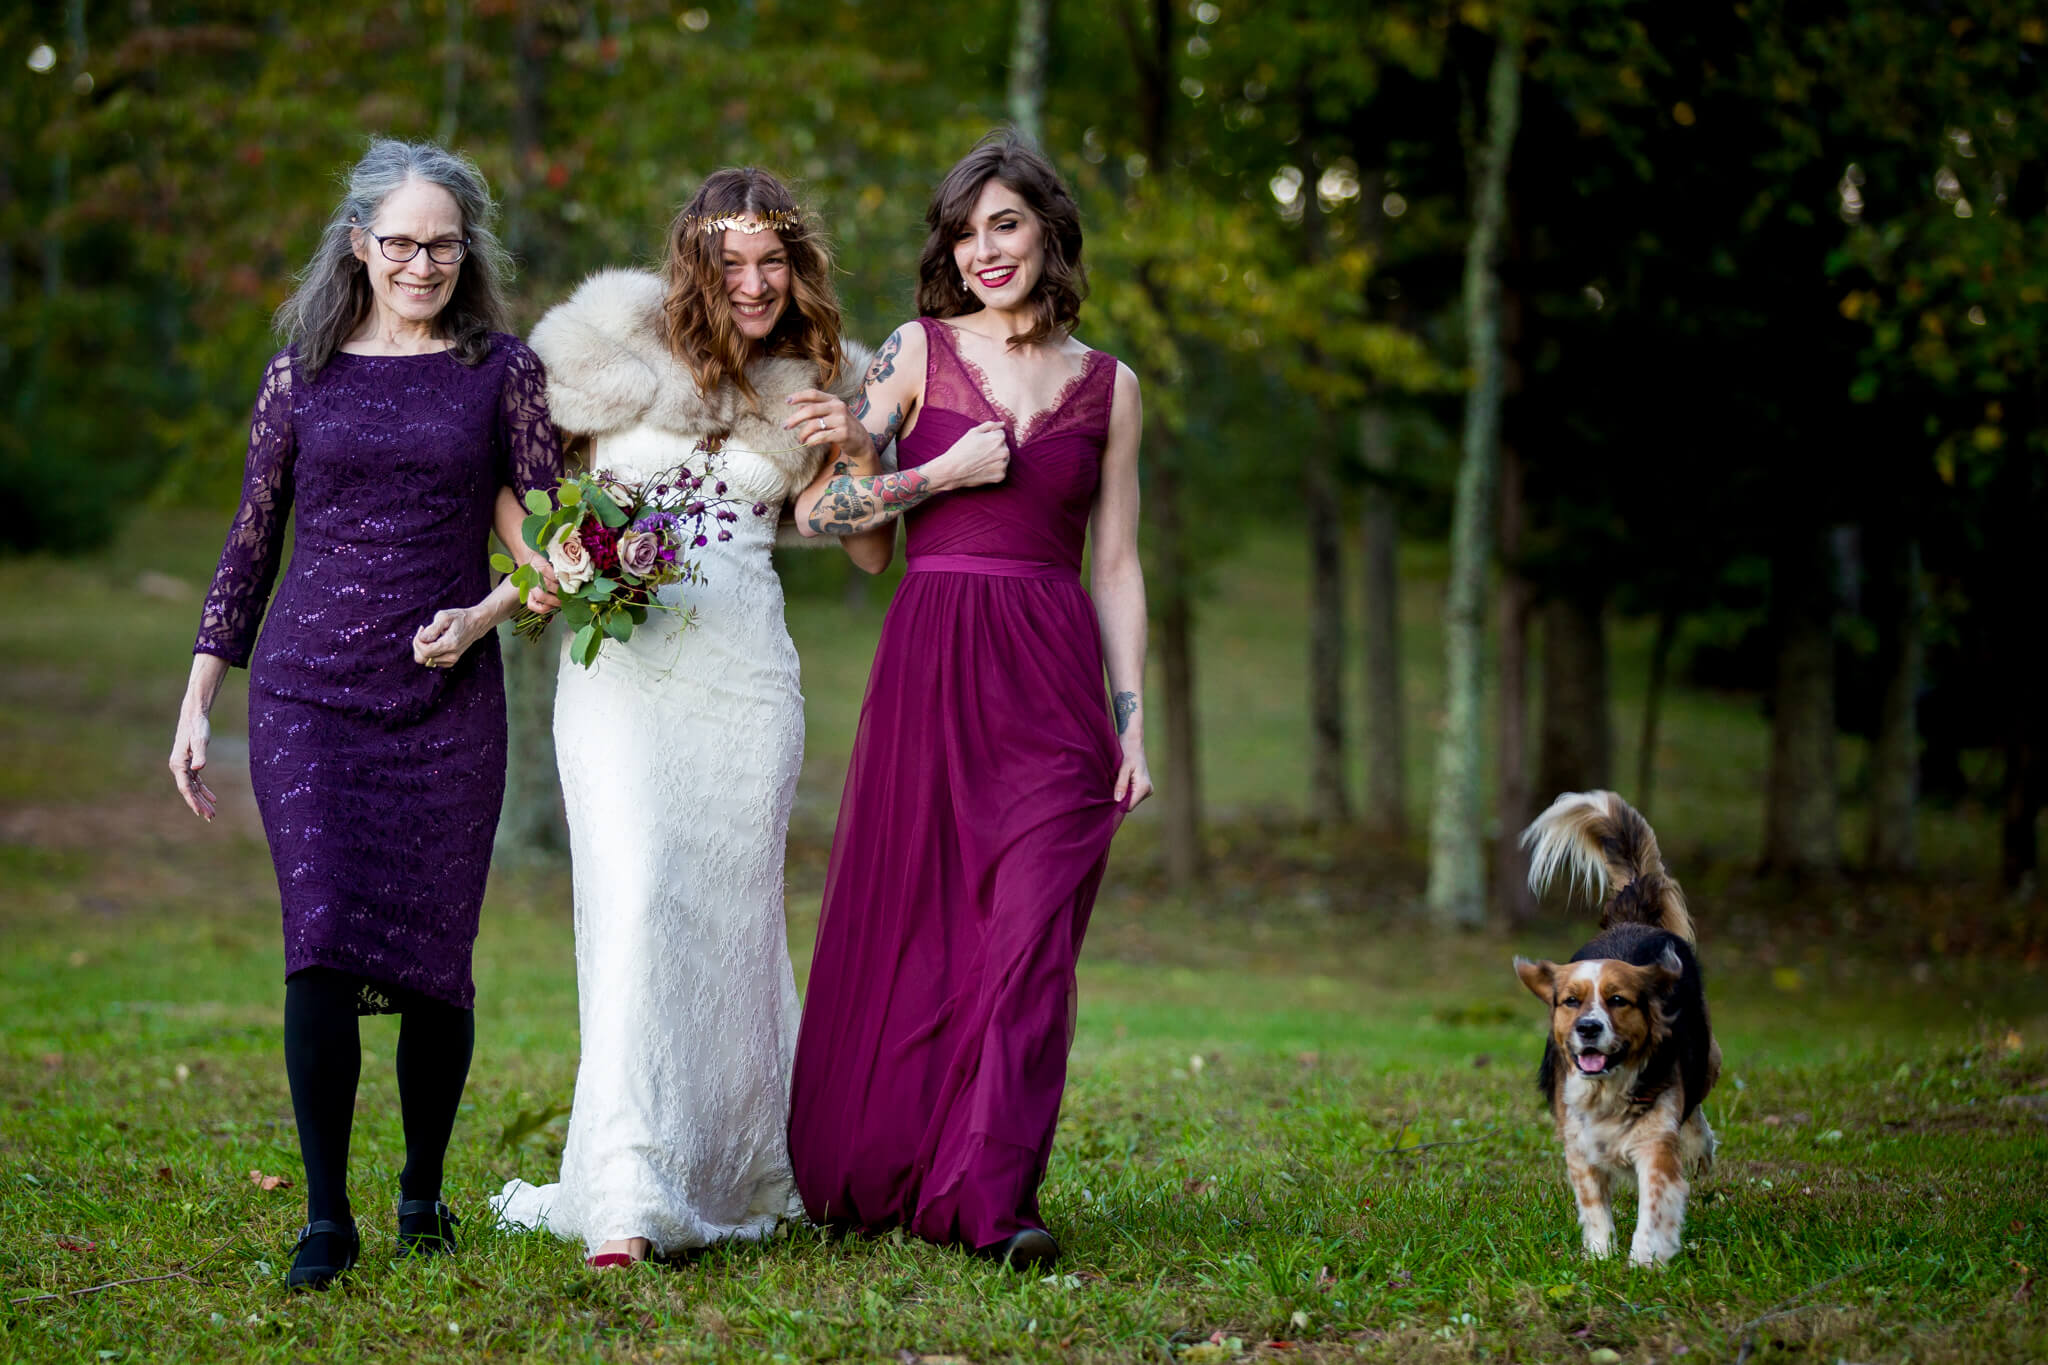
701, 331
1062, 283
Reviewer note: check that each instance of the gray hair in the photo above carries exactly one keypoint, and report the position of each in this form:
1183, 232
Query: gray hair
333, 294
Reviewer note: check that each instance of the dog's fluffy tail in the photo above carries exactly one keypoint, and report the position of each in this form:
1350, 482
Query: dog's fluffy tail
1604, 845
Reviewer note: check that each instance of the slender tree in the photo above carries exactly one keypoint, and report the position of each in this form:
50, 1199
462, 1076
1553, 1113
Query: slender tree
1457, 870
1029, 46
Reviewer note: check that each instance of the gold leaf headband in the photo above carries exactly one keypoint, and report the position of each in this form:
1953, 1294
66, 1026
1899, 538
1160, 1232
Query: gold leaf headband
773, 220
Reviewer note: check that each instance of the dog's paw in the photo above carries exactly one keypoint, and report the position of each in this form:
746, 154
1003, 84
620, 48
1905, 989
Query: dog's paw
1599, 1245
1651, 1253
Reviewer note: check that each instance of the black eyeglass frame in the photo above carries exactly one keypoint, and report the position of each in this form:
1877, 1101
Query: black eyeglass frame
461, 245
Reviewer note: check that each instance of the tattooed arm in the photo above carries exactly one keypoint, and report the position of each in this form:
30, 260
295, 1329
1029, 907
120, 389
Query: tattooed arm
1117, 581
854, 497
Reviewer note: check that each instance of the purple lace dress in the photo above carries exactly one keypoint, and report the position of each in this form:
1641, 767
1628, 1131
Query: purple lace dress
379, 780
974, 831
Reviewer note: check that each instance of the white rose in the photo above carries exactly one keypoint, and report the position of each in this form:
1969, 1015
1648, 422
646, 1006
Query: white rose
571, 562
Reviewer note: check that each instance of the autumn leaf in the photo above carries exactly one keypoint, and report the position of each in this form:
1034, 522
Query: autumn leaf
269, 1182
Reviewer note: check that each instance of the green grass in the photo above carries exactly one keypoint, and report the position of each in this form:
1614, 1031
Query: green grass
1245, 1065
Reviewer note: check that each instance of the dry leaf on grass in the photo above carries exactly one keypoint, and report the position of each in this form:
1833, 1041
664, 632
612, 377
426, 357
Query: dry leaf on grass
269, 1182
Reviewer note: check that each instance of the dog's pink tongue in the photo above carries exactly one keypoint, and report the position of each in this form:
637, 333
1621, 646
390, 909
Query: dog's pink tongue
1593, 1061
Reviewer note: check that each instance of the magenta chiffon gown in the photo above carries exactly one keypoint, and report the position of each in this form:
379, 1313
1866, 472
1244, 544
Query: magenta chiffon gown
972, 836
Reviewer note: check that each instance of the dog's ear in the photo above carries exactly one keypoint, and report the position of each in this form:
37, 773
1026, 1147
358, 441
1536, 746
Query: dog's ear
1667, 970
1539, 977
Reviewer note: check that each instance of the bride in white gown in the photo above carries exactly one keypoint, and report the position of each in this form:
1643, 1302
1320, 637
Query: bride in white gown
679, 750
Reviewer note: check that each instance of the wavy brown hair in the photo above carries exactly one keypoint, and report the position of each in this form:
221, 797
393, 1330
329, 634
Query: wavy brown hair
700, 327
1062, 283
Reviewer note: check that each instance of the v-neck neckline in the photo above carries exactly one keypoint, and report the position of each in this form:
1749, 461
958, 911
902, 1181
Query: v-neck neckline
1019, 436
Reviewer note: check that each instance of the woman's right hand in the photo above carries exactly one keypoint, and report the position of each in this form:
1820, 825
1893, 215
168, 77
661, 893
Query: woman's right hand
188, 759
541, 598
981, 456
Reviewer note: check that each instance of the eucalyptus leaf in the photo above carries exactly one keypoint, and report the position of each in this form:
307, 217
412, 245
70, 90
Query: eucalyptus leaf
539, 502
619, 626
572, 493
584, 640
608, 512
502, 562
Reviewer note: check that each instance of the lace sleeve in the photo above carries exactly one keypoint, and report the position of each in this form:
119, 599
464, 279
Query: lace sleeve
248, 562
530, 453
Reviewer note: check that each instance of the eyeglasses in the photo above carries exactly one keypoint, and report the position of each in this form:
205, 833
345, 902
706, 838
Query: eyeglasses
447, 251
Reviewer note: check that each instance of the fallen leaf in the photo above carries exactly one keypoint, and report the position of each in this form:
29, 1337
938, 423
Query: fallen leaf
77, 1244
1196, 1187
1604, 1356
269, 1182
163, 1173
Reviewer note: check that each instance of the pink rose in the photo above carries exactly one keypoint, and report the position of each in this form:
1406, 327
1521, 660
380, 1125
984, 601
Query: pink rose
571, 561
639, 553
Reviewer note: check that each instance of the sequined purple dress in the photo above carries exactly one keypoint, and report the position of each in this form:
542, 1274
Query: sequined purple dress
379, 780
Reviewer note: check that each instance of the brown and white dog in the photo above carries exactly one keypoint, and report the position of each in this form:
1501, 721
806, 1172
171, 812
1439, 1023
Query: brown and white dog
1631, 1053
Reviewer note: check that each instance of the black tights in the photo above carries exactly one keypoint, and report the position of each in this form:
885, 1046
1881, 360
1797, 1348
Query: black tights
323, 1057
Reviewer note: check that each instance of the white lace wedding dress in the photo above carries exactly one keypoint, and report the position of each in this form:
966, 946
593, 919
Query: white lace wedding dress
679, 754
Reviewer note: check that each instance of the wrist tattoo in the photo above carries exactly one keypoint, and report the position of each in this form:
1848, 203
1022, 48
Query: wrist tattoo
1126, 706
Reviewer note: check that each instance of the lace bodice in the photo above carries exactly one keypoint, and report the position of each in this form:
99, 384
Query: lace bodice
1040, 510
373, 454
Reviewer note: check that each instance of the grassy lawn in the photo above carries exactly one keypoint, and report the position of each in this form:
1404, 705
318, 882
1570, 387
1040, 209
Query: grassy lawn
1230, 1180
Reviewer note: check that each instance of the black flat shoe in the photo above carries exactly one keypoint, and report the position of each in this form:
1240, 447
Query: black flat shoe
325, 1251
426, 1227
1031, 1249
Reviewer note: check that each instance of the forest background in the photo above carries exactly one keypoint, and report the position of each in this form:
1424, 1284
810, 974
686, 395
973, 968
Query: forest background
1748, 357
1540, 396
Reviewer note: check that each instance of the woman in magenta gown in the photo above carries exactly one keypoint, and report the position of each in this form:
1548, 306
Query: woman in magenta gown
991, 768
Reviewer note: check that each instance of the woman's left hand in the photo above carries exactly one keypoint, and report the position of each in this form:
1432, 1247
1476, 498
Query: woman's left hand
441, 642
1133, 777
820, 417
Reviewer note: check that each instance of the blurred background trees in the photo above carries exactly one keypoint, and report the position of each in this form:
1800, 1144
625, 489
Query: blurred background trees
1770, 330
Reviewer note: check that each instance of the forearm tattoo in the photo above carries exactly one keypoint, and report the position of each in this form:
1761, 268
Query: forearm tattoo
879, 370
1126, 706
852, 504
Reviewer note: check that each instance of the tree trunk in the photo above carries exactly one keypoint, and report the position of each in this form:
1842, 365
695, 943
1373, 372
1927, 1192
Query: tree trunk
1513, 902
451, 76
1457, 871
1653, 707
2019, 851
533, 827
1169, 590
1181, 797
1800, 835
1386, 785
1329, 801
60, 159
1577, 744
1895, 752
1028, 47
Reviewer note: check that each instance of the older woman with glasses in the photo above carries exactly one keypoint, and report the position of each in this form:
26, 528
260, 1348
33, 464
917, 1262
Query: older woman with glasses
376, 703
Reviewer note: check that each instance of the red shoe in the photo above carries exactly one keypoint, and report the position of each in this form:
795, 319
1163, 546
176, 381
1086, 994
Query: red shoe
608, 1260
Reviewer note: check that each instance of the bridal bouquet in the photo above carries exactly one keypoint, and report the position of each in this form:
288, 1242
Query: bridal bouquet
613, 545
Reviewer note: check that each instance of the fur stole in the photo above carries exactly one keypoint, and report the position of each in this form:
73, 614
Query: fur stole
610, 370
